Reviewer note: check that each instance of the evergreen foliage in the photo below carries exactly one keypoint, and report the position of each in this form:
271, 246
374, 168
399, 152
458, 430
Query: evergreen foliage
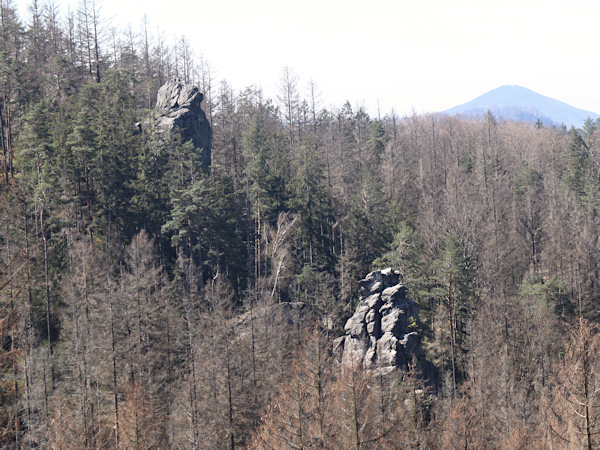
147, 302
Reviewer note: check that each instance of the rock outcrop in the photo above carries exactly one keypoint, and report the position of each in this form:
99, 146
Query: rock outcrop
382, 334
178, 114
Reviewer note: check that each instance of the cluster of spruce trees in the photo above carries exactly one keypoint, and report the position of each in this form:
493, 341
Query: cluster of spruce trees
141, 295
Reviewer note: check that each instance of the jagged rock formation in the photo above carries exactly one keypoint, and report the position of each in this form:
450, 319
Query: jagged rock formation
382, 334
178, 114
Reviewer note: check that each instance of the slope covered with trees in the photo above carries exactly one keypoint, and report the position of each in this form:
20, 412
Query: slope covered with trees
146, 303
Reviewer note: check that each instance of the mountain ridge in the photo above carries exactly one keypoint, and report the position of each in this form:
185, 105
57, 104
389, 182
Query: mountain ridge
517, 103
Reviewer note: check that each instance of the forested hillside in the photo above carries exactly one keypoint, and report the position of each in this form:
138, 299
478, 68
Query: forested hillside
147, 302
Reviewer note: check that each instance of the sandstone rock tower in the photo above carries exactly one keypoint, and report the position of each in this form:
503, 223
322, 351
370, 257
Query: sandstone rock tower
383, 332
178, 115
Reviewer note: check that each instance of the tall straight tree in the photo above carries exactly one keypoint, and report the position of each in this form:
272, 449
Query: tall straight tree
11, 44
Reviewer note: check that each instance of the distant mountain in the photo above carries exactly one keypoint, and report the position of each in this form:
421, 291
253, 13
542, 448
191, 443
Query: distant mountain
521, 104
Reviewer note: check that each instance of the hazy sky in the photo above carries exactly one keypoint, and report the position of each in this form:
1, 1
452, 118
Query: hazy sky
426, 55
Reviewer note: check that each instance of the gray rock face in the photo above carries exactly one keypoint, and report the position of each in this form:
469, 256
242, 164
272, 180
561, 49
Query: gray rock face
178, 113
382, 333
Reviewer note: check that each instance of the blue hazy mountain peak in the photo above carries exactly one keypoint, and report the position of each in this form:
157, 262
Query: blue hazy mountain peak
518, 103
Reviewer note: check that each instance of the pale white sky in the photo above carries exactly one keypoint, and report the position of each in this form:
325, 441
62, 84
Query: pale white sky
421, 55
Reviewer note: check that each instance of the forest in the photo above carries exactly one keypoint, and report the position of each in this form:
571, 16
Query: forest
147, 301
